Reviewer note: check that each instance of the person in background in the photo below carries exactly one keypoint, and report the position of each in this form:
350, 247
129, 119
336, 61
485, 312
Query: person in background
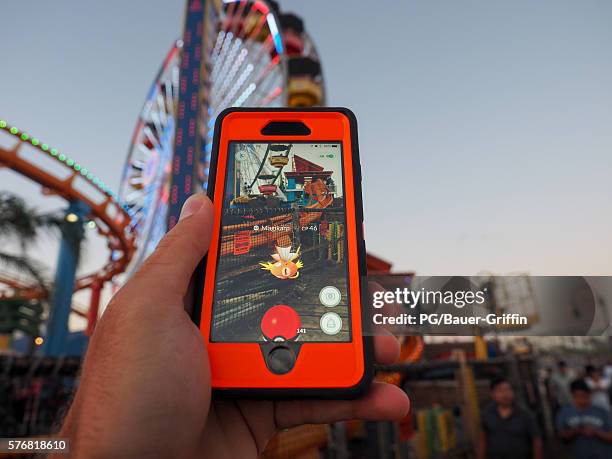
599, 387
509, 431
607, 370
586, 427
607, 373
559, 386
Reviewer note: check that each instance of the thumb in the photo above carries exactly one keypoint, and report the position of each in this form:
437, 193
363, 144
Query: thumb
179, 252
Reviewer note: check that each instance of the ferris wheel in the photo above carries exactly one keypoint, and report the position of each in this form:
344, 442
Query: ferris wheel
258, 57
261, 166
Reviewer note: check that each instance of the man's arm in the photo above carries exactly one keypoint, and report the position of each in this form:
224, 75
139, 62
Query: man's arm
482, 446
568, 434
537, 448
536, 436
565, 433
605, 433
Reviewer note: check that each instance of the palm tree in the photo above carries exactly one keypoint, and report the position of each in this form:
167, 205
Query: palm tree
23, 224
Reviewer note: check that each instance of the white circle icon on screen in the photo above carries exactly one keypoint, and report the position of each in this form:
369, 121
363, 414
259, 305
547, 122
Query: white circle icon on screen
330, 296
330, 323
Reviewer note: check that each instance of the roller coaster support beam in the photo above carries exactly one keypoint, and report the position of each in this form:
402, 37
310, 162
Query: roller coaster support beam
65, 276
94, 306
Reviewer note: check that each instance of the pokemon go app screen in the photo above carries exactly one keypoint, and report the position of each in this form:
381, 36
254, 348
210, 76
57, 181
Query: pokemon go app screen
282, 271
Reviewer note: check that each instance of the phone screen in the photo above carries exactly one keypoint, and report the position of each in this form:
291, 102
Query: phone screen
282, 267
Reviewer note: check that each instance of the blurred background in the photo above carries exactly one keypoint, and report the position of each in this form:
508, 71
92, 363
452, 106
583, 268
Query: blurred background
484, 139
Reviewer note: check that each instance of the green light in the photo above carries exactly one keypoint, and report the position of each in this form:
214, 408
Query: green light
90, 176
54, 151
62, 157
35, 142
24, 136
44, 147
13, 130
84, 171
77, 167
70, 162
2, 124
91, 224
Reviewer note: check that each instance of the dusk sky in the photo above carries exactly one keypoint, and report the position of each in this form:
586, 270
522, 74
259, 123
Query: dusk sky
485, 127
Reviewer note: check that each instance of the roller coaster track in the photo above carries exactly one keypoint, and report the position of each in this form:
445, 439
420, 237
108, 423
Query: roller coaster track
30, 157
12, 286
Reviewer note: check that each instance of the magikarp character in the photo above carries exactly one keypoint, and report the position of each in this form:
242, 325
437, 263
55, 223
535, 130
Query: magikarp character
284, 266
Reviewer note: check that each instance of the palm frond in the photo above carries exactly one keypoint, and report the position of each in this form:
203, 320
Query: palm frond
24, 223
24, 265
17, 219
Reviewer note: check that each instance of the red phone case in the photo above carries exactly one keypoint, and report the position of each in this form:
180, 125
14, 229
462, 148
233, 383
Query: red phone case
320, 369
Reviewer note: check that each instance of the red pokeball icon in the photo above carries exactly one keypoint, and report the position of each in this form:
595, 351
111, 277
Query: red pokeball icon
280, 323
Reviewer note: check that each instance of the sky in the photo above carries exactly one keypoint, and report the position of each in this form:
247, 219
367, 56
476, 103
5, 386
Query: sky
484, 127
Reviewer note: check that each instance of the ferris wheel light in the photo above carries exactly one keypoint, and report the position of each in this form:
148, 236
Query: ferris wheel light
2, 124
91, 224
278, 43
24, 136
54, 152
245, 95
35, 142
77, 167
62, 157
44, 147
13, 130
39, 340
84, 171
70, 162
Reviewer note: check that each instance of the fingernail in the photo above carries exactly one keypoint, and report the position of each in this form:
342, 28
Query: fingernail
191, 206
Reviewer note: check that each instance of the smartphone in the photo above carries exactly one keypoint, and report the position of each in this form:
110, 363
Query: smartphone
280, 294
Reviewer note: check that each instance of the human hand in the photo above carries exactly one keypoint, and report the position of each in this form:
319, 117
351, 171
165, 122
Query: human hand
588, 431
145, 386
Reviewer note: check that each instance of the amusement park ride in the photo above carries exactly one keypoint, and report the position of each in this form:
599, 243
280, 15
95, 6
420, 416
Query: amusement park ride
89, 198
254, 55
232, 53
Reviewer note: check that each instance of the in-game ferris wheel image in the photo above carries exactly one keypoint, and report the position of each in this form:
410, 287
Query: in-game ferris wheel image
262, 168
254, 55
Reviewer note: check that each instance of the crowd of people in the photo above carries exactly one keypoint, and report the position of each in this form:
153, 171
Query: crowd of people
580, 404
